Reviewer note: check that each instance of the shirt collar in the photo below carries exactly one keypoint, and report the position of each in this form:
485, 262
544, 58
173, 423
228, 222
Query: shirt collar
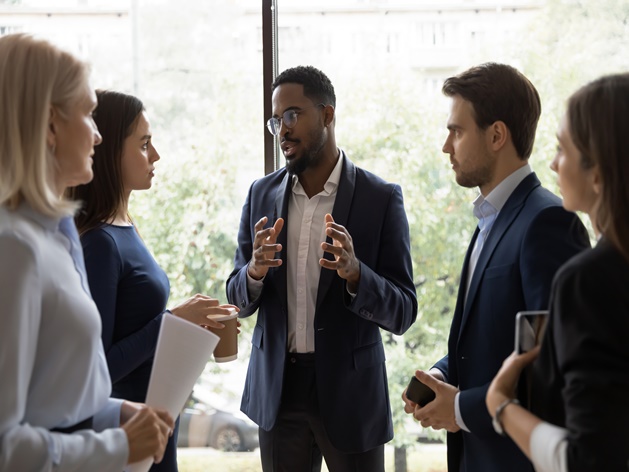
331, 184
47, 222
499, 195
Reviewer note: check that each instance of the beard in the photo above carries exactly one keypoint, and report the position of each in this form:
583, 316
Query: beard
478, 176
310, 156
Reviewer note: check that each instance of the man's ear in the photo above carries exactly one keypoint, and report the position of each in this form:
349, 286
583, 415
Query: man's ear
328, 116
498, 135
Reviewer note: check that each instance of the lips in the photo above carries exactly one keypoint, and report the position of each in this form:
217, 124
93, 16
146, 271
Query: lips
288, 147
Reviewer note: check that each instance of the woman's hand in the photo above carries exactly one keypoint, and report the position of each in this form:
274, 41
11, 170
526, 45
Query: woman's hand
147, 433
504, 383
198, 308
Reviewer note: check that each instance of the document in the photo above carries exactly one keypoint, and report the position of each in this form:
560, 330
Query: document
183, 350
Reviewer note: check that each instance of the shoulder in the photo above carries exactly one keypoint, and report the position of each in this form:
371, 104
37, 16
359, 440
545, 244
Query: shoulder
17, 231
600, 269
371, 182
271, 180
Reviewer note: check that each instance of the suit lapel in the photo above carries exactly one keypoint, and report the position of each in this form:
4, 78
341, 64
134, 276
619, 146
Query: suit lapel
512, 208
282, 197
340, 213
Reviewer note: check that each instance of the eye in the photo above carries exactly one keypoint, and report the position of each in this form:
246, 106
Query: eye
145, 145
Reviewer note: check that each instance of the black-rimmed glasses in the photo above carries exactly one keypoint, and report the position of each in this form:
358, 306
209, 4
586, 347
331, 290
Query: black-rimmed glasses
289, 118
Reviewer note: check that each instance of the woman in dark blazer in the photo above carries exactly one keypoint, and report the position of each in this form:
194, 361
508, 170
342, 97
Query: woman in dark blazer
579, 418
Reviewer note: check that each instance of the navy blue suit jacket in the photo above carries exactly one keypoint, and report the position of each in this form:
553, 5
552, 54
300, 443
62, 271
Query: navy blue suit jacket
349, 354
531, 238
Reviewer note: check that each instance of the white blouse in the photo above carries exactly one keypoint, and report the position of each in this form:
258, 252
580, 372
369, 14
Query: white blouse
52, 363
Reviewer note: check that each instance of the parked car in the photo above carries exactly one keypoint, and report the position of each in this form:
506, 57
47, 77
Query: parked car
203, 425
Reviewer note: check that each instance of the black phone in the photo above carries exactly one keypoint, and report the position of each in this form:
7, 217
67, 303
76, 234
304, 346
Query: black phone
529, 329
419, 393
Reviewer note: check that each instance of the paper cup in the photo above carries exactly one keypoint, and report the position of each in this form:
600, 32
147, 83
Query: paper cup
227, 348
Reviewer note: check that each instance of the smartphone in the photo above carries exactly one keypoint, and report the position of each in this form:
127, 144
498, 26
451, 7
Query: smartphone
529, 329
419, 393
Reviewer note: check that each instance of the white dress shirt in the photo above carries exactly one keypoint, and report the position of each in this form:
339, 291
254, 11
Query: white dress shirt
52, 364
497, 199
306, 231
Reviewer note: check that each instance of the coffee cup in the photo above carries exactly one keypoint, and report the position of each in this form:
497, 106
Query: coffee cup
227, 348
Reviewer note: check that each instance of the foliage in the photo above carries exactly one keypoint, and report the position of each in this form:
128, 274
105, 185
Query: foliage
208, 129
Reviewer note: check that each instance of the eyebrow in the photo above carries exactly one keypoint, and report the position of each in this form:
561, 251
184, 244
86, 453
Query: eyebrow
294, 107
146, 136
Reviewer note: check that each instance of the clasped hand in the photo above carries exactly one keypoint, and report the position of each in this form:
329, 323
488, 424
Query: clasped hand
439, 413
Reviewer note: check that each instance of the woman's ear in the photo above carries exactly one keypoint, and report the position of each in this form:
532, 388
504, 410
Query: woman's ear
51, 132
597, 183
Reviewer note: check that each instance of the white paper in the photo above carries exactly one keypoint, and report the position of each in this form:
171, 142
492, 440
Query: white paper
183, 350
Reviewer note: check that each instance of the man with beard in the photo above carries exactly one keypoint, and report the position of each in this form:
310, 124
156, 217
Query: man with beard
324, 257
523, 236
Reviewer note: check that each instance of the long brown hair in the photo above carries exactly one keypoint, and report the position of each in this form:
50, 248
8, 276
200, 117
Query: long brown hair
598, 117
116, 116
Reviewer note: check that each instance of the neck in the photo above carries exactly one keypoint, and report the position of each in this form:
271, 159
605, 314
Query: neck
313, 179
121, 217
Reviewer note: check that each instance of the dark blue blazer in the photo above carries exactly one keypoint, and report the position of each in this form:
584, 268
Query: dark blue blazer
349, 355
531, 238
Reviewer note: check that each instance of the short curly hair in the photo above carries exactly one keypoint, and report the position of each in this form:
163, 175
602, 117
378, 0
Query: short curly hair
317, 85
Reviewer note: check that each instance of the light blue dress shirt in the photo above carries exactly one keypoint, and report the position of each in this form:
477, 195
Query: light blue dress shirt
52, 364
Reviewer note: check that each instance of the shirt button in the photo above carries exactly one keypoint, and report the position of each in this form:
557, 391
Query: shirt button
300, 326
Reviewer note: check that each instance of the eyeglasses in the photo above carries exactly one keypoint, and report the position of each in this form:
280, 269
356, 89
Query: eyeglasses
289, 118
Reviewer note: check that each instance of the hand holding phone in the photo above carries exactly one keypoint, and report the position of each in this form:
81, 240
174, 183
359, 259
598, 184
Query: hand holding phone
419, 393
529, 329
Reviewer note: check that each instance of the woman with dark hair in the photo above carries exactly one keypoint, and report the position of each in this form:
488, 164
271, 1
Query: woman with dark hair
128, 286
55, 410
579, 412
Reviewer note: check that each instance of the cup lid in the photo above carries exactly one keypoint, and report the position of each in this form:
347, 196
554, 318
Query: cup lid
219, 318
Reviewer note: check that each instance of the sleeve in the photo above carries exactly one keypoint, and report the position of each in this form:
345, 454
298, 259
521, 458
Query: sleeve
104, 265
237, 285
592, 356
386, 295
548, 448
24, 447
552, 238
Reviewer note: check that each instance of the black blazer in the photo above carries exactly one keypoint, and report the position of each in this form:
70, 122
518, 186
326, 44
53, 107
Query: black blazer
582, 373
531, 238
349, 355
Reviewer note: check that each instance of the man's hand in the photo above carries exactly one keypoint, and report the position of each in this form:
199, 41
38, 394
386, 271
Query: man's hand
345, 263
264, 248
439, 413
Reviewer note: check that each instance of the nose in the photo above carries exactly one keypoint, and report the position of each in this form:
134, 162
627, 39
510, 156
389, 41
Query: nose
447, 146
553, 163
97, 137
154, 157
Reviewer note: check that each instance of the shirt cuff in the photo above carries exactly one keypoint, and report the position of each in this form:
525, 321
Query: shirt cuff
254, 287
457, 414
549, 448
108, 417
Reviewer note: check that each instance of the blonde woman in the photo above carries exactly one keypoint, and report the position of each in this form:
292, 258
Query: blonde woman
55, 411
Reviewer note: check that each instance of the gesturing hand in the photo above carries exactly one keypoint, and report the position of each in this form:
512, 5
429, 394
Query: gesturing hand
345, 263
264, 248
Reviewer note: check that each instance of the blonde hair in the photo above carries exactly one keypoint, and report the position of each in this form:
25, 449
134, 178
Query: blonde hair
35, 76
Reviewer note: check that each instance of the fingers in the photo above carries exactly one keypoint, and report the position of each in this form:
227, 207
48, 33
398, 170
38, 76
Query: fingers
428, 380
147, 434
409, 405
265, 248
